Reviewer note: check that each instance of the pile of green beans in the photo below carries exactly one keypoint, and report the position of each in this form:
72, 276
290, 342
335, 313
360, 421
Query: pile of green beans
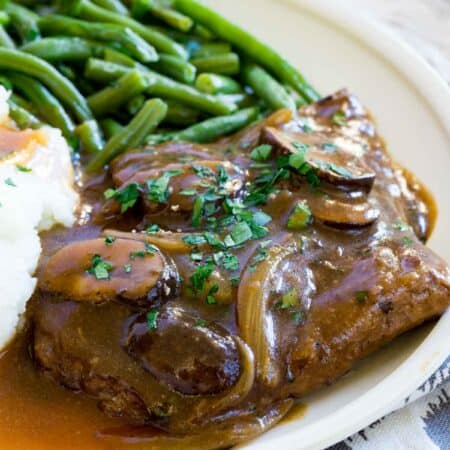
117, 74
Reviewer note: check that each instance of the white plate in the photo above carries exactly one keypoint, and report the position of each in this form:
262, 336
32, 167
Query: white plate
334, 48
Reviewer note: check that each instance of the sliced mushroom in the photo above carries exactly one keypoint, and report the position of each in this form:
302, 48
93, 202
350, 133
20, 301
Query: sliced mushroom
343, 214
336, 167
97, 271
191, 357
262, 295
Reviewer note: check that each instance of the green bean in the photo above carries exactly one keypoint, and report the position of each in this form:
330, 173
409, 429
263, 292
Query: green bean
266, 87
132, 42
176, 68
46, 104
112, 5
248, 44
67, 71
180, 115
58, 49
133, 135
160, 86
203, 32
212, 129
20, 101
211, 49
111, 98
24, 21
225, 64
110, 127
35, 67
172, 18
90, 136
5, 39
23, 118
4, 18
241, 100
135, 104
114, 56
211, 83
298, 99
89, 11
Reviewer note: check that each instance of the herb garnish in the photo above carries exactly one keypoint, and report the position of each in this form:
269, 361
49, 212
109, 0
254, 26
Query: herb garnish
201, 274
126, 197
300, 217
127, 268
261, 153
10, 182
100, 268
109, 240
361, 297
152, 229
210, 299
290, 299
339, 118
23, 168
407, 241
152, 320
158, 188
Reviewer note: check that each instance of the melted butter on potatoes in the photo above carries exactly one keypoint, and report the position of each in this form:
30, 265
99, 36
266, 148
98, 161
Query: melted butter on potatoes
36, 193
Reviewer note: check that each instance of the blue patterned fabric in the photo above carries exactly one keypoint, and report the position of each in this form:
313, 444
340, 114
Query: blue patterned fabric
423, 424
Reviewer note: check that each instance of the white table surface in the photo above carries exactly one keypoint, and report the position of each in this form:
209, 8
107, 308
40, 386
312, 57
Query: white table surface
424, 24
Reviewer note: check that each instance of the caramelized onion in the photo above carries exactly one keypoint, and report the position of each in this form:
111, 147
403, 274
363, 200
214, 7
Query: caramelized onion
224, 434
212, 406
255, 321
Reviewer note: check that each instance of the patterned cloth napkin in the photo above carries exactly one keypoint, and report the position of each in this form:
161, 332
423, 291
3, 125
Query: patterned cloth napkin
424, 424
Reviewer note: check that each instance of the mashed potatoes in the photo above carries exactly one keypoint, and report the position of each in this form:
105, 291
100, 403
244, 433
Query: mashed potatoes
36, 193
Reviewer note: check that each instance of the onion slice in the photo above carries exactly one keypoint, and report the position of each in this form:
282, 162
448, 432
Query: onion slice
255, 321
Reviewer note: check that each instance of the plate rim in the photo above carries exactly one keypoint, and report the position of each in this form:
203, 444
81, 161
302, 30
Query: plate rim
422, 363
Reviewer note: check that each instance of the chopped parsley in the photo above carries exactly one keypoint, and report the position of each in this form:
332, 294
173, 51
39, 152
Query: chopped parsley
241, 233
194, 239
153, 229
23, 168
126, 197
197, 256
230, 262
339, 170
339, 118
300, 217
127, 268
329, 147
235, 281
361, 297
407, 241
261, 153
261, 255
201, 275
210, 299
152, 320
158, 188
200, 323
109, 240
189, 192
298, 317
402, 226
10, 182
290, 300
100, 268
202, 171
